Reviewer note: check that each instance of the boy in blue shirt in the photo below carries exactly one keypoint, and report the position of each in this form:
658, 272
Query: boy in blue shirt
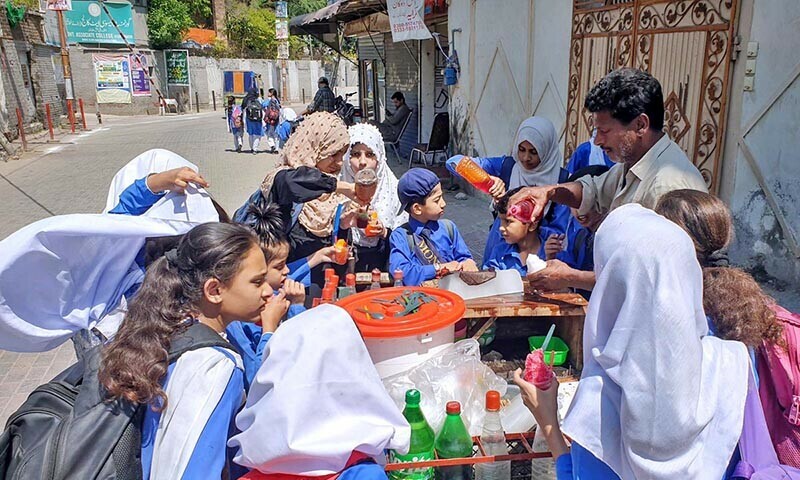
427, 246
520, 239
578, 252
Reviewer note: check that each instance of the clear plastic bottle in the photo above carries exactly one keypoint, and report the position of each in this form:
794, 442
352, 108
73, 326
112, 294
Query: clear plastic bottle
494, 442
376, 280
398, 278
349, 286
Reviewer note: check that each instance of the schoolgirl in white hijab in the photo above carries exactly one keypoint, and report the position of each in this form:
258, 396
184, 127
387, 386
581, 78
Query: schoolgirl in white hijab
658, 398
67, 274
317, 402
541, 133
385, 202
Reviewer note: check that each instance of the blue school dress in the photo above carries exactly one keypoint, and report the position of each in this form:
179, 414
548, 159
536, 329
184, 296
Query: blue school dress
579, 253
554, 221
447, 249
209, 453
505, 256
580, 464
582, 158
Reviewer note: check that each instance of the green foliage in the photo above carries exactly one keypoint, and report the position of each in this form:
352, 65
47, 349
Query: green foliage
251, 31
30, 4
167, 21
201, 12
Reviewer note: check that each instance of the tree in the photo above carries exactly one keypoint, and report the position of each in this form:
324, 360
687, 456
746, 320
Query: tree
167, 21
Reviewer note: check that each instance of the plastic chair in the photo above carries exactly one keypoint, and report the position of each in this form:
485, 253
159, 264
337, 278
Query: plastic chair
437, 143
396, 143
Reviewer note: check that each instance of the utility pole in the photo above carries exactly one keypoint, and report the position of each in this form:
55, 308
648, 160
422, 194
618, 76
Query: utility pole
62, 33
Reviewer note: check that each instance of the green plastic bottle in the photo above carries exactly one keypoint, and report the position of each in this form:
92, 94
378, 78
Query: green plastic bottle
422, 437
454, 441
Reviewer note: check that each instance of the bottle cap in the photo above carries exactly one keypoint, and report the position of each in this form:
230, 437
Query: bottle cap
398, 274
376, 275
350, 280
412, 397
493, 401
335, 280
453, 408
341, 243
328, 272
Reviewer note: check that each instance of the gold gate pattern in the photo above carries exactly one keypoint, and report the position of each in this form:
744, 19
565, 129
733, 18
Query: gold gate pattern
686, 44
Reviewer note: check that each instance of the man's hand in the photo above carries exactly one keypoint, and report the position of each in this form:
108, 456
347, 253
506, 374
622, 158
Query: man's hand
295, 292
557, 275
469, 265
276, 308
175, 180
498, 188
538, 195
554, 245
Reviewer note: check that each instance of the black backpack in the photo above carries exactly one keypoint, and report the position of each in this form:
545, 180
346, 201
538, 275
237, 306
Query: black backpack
253, 111
67, 430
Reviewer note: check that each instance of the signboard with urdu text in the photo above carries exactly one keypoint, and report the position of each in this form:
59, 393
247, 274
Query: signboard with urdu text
88, 23
406, 19
139, 80
177, 67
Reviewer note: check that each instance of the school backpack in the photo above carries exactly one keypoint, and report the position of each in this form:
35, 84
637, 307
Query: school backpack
67, 429
412, 244
253, 110
273, 114
779, 388
758, 460
236, 113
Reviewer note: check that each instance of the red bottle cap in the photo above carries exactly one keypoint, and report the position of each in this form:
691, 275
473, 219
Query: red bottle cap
335, 280
493, 401
398, 274
328, 273
350, 280
453, 408
376, 275
328, 293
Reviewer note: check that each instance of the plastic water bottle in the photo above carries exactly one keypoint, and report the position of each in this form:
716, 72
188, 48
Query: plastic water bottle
421, 447
376, 280
349, 286
398, 278
470, 171
454, 441
494, 442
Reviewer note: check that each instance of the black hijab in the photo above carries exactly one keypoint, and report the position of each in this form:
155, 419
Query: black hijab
252, 94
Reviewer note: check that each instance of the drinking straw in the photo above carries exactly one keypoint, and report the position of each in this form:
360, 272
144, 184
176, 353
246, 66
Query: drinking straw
337, 219
548, 337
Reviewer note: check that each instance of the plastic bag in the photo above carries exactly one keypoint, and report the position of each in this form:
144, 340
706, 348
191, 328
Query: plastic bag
456, 373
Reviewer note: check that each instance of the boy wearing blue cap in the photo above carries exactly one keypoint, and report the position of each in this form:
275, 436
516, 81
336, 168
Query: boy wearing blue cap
428, 246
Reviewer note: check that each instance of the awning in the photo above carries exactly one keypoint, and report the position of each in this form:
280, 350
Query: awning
324, 23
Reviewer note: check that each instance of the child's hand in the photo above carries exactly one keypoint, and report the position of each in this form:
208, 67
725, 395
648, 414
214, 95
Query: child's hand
276, 308
175, 180
498, 188
450, 267
469, 265
323, 255
553, 245
295, 292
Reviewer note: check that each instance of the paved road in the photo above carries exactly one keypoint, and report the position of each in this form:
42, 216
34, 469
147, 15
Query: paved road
73, 177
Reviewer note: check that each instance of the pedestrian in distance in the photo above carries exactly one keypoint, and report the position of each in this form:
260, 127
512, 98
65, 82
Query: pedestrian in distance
253, 108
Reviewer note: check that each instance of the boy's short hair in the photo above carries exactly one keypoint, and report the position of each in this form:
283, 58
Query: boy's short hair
415, 186
266, 221
590, 171
502, 204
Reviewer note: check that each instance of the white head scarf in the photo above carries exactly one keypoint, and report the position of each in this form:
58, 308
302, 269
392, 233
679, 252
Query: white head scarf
315, 400
541, 133
385, 201
195, 206
63, 274
658, 399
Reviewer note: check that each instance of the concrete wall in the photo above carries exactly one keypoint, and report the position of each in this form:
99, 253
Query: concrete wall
762, 242
514, 64
207, 76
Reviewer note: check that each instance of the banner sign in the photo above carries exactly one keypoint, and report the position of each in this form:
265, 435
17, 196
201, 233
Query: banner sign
281, 9
177, 67
88, 23
281, 29
113, 76
139, 80
62, 5
406, 19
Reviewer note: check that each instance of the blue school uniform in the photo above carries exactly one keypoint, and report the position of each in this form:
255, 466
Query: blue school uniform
211, 457
554, 221
249, 340
506, 256
136, 199
300, 271
581, 158
580, 464
404, 257
579, 253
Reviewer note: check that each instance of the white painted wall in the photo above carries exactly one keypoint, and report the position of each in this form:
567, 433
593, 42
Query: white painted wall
761, 241
514, 58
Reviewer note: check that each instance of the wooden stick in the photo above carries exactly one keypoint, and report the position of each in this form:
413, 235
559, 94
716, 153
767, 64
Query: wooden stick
489, 322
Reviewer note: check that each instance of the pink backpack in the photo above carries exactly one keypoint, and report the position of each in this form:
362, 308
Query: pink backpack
779, 388
236, 115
